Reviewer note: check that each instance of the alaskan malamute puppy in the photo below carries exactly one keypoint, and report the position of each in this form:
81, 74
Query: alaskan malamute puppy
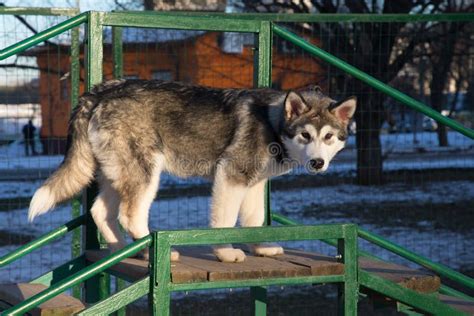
126, 132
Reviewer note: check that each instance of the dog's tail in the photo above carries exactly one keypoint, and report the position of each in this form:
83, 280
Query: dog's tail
78, 167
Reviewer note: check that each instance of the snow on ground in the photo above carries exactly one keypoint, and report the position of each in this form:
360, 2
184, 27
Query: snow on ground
441, 245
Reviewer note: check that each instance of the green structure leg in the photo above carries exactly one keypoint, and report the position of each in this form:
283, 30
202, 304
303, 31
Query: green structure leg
259, 299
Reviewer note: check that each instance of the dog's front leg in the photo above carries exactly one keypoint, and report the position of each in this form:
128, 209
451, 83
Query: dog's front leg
227, 196
252, 214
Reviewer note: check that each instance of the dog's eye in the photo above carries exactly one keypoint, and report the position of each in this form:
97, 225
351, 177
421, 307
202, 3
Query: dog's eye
328, 136
306, 135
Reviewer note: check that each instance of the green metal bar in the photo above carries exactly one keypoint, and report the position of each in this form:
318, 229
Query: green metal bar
373, 82
98, 287
443, 289
259, 300
61, 272
321, 17
136, 19
43, 36
78, 277
39, 11
117, 51
76, 202
160, 289
41, 241
425, 262
119, 300
425, 302
253, 234
350, 259
256, 282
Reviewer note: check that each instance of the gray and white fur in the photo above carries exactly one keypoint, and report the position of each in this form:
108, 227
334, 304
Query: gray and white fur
125, 133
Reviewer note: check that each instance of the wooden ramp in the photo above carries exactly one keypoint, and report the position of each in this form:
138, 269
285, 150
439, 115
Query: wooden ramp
198, 264
63, 304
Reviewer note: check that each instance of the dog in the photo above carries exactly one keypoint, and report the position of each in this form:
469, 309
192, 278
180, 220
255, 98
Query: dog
124, 133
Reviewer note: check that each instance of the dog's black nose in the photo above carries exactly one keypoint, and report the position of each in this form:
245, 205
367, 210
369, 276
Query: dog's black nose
317, 163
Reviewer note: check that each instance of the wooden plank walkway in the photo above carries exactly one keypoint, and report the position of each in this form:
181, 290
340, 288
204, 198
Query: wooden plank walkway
198, 264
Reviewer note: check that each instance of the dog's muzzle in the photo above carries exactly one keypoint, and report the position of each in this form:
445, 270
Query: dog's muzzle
316, 164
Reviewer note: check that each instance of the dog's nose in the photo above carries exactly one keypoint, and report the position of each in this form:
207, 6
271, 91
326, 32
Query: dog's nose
317, 163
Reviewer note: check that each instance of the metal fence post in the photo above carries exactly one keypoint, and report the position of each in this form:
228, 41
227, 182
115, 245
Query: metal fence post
263, 79
159, 298
348, 254
97, 287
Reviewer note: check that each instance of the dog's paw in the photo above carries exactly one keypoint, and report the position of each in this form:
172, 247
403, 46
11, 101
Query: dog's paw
267, 249
229, 254
174, 255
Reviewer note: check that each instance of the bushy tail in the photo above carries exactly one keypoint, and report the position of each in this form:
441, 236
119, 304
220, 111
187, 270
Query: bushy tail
77, 169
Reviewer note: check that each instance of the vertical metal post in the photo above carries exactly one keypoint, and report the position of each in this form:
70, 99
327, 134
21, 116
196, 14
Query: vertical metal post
160, 279
117, 51
98, 287
117, 55
75, 203
263, 79
348, 250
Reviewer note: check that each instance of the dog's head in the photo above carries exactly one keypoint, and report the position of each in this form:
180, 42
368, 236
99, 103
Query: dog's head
315, 127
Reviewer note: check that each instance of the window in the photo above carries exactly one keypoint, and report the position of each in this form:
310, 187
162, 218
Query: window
162, 75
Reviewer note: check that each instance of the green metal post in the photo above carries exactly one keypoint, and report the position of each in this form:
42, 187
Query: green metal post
117, 51
350, 259
160, 284
75, 203
117, 54
263, 79
98, 287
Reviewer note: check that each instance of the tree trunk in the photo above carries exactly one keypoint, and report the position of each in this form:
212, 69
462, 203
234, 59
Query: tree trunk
369, 149
442, 135
437, 104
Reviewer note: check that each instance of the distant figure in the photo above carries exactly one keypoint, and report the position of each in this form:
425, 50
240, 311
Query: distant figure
29, 136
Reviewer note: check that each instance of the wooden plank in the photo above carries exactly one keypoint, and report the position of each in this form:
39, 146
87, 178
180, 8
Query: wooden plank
63, 304
253, 267
417, 280
458, 303
318, 264
135, 269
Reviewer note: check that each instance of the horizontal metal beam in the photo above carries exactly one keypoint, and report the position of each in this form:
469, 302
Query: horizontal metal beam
39, 11
373, 82
222, 24
41, 241
256, 282
252, 234
323, 17
78, 277
43, 36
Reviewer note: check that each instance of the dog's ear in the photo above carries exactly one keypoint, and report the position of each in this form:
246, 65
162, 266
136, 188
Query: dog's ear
294, 105
344, 110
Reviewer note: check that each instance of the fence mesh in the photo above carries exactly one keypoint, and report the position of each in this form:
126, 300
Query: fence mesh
393, 178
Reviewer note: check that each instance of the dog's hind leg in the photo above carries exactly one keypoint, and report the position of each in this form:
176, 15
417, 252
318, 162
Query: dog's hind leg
252, 214
227, 196
136, 196
104, 211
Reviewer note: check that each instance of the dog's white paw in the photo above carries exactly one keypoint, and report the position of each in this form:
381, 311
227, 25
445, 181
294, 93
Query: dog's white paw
229, 254
267, 249
174, 255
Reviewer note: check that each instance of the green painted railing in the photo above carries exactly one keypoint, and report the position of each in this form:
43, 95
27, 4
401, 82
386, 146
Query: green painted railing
43, 36
440, 269
373, 82
78, 277
41, 241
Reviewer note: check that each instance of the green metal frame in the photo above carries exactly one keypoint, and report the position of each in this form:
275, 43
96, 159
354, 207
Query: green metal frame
158, 284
